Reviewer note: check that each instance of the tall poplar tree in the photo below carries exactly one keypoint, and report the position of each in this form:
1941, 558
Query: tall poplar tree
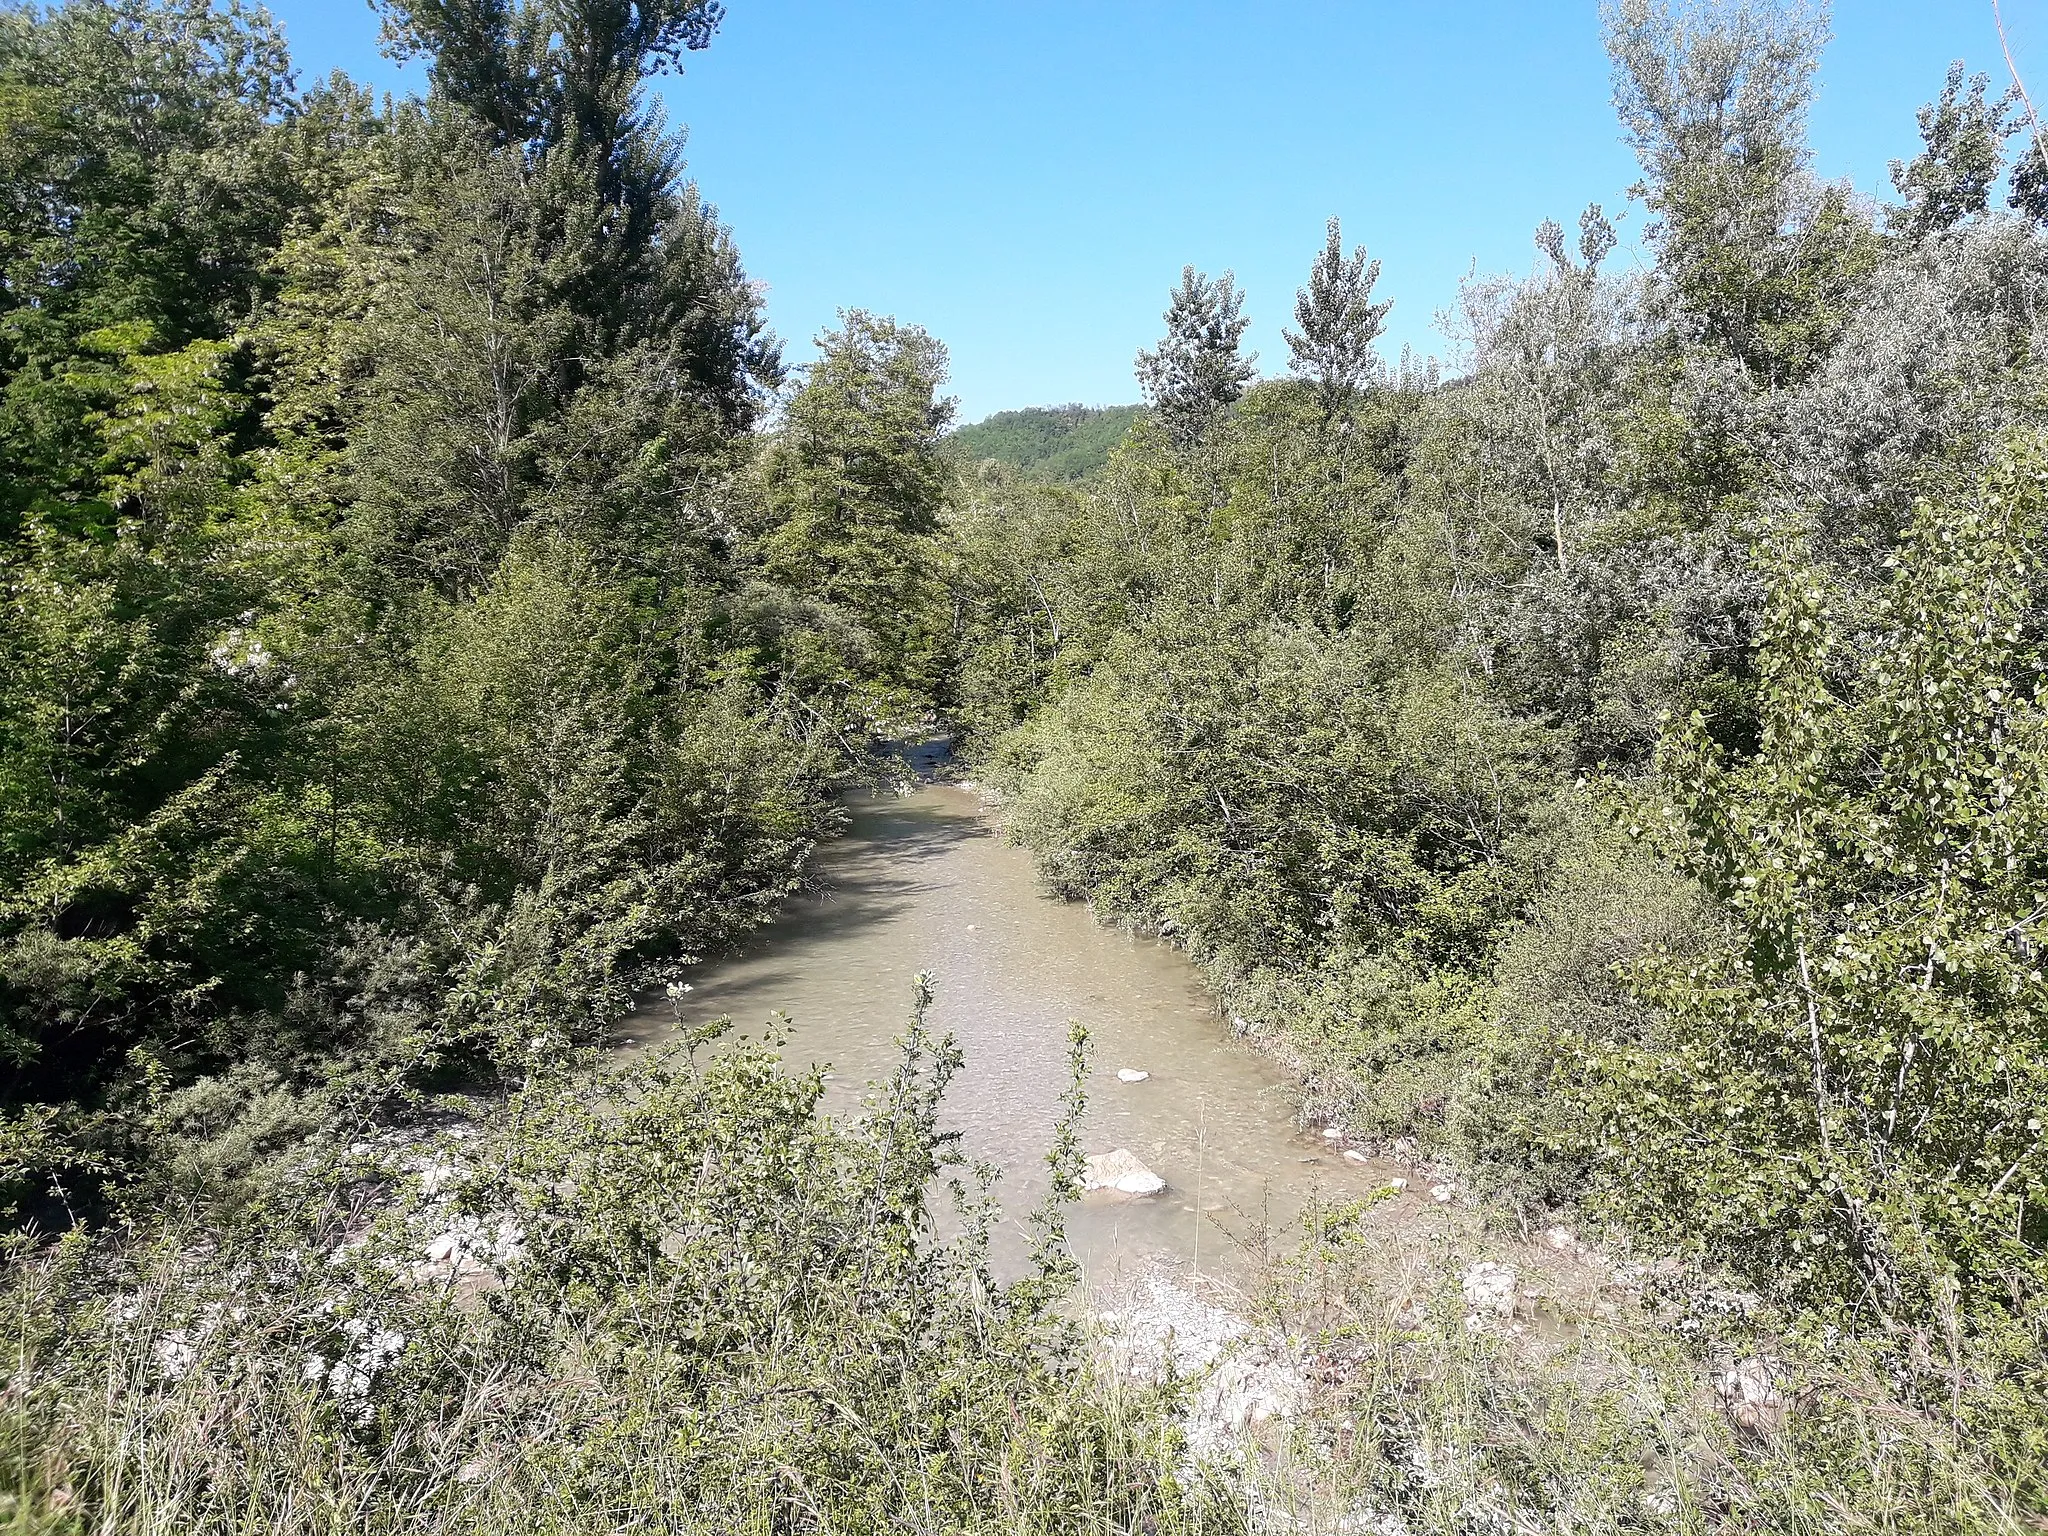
1339, 324
1951, 178
1756, 259
1196, 370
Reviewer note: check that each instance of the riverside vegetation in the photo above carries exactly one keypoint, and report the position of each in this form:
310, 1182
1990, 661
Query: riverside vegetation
1618, 765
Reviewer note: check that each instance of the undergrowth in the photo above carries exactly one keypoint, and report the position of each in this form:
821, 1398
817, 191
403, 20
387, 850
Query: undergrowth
678, 1298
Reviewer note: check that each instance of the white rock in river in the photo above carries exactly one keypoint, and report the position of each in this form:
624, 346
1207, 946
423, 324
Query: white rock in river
1131, 1075
1121, 1171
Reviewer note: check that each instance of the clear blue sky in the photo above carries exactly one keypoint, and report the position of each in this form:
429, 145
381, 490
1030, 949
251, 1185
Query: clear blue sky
1026, 179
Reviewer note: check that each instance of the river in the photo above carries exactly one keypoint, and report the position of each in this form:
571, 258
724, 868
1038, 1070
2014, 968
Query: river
925, 882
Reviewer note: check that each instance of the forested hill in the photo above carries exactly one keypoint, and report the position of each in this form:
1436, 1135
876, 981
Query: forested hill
1051, 442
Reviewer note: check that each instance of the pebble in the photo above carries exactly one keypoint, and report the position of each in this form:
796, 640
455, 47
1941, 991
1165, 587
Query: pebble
1131, 1075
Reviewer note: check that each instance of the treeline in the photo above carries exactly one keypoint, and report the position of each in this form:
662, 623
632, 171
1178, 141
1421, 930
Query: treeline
1621, 765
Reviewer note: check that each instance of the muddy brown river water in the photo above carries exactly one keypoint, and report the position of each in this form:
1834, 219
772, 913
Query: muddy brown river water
925, 882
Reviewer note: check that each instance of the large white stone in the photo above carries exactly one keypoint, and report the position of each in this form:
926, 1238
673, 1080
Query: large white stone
1490, 1288
1120, 1171
1131, 1075
1752, 1396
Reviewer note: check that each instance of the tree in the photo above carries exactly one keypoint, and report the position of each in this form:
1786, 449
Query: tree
630, 248
1695, 82
1339, 323
466, 338
1539, 381
546, 71
1550, 345
1855, 1079
533, 329
854, 484
141, 186
1950, 180
2029, 191
1756, 259
1196, 371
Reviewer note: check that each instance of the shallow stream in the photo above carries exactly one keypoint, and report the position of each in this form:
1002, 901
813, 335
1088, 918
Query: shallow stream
925, 882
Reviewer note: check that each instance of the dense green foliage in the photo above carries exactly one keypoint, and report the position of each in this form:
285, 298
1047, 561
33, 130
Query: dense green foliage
411, 646
850, 494
1066, 442
414, 648
1619, 767
432, 619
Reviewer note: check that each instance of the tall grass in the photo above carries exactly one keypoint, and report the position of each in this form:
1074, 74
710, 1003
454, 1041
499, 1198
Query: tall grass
1607, 1403
683, 1300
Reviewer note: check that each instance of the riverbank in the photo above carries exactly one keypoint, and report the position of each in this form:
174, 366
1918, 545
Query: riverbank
637, 1296
1361, 1338
671, 1294
1475, 1358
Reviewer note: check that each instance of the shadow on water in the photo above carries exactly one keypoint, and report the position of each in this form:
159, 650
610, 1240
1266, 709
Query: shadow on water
856, 890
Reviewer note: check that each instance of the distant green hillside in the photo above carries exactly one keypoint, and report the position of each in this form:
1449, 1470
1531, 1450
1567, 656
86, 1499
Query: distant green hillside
1054, 442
